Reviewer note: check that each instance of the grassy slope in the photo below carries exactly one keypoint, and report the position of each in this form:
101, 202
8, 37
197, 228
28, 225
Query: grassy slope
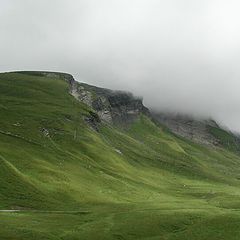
140, 183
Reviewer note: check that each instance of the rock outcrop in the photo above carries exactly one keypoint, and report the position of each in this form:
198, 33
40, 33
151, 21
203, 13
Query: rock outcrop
116, 107
188, 127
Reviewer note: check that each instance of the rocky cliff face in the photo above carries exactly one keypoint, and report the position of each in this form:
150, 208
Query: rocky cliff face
116, 107
185, 126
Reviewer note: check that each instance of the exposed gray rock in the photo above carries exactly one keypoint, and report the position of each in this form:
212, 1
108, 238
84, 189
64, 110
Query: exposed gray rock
188, 127
45, 132
116, 107
80, 93
118, 151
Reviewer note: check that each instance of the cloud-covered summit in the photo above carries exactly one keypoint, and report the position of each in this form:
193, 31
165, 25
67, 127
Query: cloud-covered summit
180, 55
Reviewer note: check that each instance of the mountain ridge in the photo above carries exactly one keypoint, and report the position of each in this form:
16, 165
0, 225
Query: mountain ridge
123, 108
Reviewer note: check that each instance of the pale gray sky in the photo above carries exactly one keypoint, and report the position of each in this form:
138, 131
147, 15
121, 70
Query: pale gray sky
180, 55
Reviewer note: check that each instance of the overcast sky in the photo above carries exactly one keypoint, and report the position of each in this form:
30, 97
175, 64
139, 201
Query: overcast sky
180, 55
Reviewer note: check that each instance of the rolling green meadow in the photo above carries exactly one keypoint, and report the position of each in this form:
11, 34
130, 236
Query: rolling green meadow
67, 181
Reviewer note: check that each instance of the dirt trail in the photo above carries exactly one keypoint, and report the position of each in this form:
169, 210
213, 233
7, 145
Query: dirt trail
44, 211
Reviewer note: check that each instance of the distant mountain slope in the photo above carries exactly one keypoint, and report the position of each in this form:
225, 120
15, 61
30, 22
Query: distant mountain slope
203, 131
82, 162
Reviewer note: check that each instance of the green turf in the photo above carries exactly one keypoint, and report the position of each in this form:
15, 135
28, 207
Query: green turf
73, 182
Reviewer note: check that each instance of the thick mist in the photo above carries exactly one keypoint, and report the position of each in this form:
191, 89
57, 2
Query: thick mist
180, 55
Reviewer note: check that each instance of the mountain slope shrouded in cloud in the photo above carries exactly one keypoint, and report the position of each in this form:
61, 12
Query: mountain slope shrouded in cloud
181, 56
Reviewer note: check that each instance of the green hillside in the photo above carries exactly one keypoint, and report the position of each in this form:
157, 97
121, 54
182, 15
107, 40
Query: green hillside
70, 180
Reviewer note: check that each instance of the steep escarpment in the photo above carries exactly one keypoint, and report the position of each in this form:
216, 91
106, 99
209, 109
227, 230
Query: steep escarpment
117, 107
188, 127
202, 131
